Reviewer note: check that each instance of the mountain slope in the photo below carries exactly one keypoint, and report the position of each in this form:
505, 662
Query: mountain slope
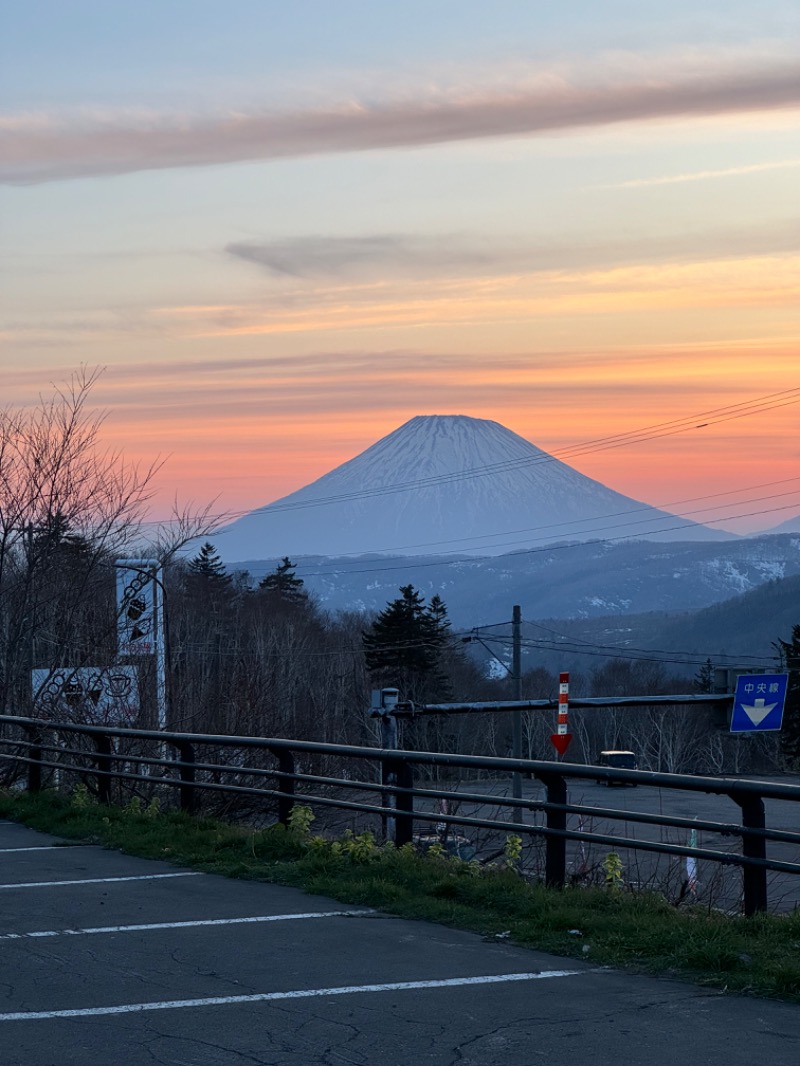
578, 580
744, 628
446, 483
791, 525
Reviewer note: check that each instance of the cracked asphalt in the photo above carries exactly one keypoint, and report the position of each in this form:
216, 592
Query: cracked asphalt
105, 959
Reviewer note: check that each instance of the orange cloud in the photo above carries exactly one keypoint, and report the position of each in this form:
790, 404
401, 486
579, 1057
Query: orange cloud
756, 281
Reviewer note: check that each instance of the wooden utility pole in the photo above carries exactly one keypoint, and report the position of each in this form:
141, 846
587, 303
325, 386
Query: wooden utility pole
516, 694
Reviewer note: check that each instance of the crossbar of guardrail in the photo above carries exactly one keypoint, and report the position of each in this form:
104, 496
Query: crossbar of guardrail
397, 797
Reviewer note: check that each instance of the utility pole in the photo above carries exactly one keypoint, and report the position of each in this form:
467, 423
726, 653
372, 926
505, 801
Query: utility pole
32, 606
516, 694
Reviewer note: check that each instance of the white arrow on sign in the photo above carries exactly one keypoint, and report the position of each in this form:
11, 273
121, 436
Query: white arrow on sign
759, 710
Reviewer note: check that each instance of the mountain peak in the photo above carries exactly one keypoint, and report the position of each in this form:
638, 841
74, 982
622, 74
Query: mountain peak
453, 446
446, 483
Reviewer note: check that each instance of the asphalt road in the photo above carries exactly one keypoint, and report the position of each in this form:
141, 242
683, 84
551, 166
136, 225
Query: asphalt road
719, 886
716, 885
113, 959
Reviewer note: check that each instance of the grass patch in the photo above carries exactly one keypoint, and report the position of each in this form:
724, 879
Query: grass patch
640, 932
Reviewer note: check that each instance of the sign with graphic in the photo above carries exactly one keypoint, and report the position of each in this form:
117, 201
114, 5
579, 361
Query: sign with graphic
137, 606
758, 702
107, 695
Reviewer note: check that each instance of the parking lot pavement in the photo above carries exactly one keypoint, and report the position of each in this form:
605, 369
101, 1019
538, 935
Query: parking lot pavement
111, 958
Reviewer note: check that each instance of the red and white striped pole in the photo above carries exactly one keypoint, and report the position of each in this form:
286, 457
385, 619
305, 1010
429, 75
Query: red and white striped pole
562, 737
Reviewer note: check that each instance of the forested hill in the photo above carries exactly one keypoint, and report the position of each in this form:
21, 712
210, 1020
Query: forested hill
744, 627
557, 581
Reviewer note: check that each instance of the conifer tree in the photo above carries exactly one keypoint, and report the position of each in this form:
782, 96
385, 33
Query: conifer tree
284, 583
790, 733
208, 565
438, 625
403, 648
209, 583
704, 678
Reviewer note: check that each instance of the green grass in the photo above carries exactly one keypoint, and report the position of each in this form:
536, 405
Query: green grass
641, 932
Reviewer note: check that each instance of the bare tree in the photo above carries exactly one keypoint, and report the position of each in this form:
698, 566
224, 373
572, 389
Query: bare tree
68, 506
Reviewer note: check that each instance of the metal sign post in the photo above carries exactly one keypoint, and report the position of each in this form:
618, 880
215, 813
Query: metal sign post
140, 620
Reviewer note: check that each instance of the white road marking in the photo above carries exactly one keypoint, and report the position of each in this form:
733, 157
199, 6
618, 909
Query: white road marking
186, 925
266, 997
102, 880
48, 847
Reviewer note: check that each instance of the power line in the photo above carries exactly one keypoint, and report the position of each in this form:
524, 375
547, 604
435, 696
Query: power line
612, 514
699, 420
546, 547
721, 414
613, 652
576, 645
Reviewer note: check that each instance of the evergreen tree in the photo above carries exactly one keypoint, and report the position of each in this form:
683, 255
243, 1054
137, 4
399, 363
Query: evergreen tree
208, 566
403, 648
284, 583
438, 626
439, 622
790, 733
208, 582
704, 678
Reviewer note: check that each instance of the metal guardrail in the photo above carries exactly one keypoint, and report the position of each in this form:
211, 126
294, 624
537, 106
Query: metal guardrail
406, 709
41, 745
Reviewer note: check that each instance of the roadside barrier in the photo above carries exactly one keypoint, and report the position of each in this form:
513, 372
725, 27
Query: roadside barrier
379, 782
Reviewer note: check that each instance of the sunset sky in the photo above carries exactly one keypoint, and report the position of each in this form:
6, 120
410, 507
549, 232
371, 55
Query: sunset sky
284, 229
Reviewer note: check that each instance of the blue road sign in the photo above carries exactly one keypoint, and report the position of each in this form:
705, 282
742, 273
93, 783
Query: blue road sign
758, 702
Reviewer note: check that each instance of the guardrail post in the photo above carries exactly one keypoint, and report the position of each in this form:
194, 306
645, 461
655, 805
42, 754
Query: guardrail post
285, 785
389, 799
35, 755
389, 767
555, 843
404, 823
187, 773
754, 846
102, 744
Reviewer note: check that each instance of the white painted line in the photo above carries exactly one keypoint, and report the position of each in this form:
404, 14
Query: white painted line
186, 925
102, 880
266, 997
48, 847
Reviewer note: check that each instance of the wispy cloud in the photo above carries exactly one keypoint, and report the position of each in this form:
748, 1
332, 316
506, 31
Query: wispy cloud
737, 281
315, 257
458, 255
41, 148
397, 283
704, 175
256, 429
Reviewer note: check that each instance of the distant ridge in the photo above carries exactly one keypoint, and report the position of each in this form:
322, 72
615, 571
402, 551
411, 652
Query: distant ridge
445, 483
791, 525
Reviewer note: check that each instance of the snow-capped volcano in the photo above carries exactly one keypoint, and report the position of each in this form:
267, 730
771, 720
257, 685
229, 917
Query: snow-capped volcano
446, 483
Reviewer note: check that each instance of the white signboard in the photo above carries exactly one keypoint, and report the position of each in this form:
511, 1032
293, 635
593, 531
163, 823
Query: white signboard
137, 607
107, 695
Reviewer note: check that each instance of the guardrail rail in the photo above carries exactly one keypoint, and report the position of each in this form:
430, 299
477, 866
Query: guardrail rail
38, 752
